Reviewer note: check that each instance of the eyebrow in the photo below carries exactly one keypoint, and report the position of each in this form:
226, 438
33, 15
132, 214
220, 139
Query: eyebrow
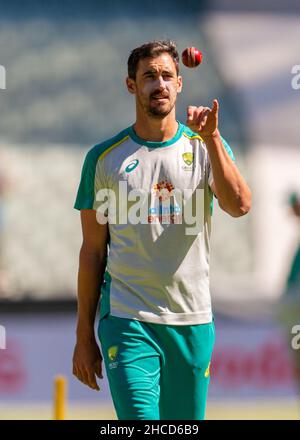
154, 71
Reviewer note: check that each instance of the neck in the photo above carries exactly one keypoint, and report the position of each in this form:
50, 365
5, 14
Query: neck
156, 130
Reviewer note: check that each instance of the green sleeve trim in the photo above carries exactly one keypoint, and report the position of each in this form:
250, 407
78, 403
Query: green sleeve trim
294, 275
86, 190
191, 134
228, 149
231, 155
85, 193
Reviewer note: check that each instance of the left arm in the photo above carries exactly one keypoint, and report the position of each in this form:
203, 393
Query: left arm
229, 186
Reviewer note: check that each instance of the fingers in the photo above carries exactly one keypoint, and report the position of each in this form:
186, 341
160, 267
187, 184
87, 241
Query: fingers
98, 369
87, 376
79, 374
193, 112
197, 116
92, 383
215, 107
203, 120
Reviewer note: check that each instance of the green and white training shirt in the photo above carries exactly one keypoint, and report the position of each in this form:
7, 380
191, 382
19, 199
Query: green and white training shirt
158, 262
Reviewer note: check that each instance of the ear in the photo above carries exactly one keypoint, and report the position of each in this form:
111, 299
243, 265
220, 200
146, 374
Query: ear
179, 84
130, 85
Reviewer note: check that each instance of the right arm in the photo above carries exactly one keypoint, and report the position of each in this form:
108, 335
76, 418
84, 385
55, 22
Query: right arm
87, 359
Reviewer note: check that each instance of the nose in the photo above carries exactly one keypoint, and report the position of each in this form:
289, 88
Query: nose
161, 82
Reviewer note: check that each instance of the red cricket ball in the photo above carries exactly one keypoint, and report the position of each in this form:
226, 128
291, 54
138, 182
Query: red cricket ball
191, 57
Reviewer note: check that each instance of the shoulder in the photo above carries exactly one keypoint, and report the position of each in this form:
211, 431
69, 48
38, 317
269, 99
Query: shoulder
190, 134
187, 132
100, 150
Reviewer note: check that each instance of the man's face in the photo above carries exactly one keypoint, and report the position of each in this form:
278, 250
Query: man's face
156, 85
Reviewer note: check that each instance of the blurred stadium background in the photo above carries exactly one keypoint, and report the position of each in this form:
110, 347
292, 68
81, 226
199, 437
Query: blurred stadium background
65, 67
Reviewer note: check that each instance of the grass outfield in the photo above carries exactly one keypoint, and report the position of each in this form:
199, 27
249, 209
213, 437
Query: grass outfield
223, 410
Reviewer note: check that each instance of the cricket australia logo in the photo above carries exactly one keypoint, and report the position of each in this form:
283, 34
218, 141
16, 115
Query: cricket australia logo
188, 160
112, 354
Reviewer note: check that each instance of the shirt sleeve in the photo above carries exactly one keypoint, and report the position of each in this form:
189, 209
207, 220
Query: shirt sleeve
90, 182
229, 151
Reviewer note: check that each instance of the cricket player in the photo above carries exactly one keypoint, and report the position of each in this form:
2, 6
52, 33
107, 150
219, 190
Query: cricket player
145, 198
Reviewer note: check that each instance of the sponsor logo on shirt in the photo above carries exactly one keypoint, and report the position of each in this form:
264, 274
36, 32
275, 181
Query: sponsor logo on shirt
163, 190
165, 209
132, 165
164, 204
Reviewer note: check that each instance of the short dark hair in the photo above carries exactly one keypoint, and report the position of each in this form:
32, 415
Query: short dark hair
151, 49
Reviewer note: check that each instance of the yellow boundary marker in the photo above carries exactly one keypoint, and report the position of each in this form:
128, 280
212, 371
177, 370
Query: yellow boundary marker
60, 391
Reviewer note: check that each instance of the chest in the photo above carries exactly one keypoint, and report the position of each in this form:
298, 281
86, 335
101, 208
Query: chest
162, 170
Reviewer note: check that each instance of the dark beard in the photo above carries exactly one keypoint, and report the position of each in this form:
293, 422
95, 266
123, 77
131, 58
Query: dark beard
159, 112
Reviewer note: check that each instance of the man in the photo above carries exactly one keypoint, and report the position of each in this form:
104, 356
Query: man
156, 328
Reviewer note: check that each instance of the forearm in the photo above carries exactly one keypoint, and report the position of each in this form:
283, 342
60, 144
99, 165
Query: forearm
233, 193
90, 277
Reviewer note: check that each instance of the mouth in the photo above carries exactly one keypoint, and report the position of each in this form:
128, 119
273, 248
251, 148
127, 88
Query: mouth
160, 98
